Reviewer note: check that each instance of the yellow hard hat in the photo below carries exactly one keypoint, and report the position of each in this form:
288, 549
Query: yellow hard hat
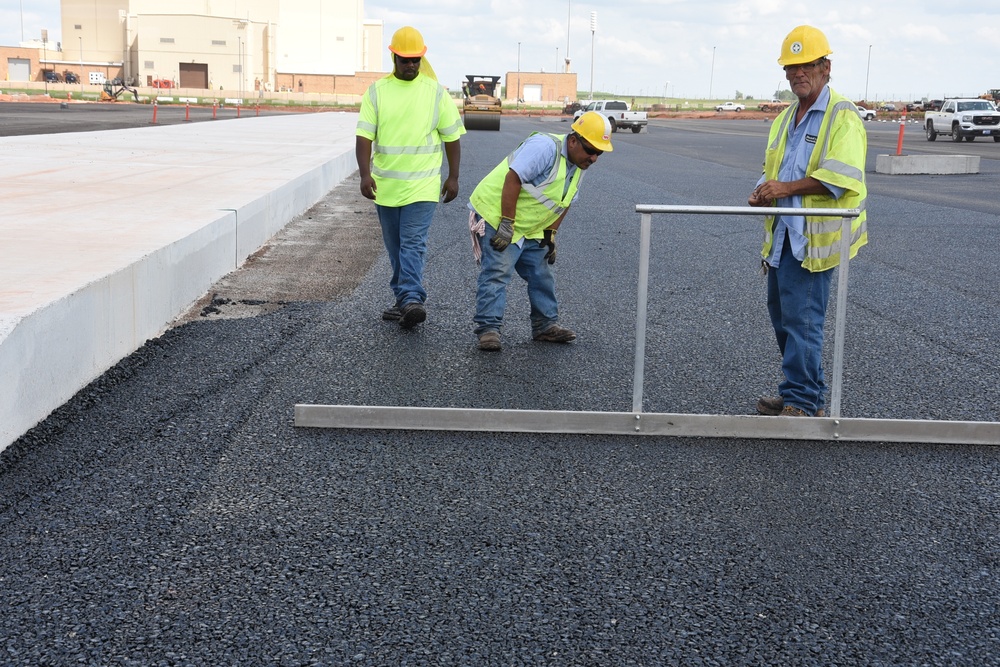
596, 129
804, 44
407, 42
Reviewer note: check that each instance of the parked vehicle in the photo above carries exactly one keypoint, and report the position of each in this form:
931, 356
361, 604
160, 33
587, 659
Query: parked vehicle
963, 119
70, 77
887, 106
730, 106
933, 105
772, 105
618, 114
866, 114
52, 77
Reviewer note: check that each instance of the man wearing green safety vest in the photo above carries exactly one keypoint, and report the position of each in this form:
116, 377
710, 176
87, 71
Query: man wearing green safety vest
815, 158
516, 210
405, 119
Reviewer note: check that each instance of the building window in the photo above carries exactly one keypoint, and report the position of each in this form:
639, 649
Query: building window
148, 64
166, 40
77, 26
218, 42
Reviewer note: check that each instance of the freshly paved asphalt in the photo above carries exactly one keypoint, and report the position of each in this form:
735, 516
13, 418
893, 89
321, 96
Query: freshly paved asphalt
170, 513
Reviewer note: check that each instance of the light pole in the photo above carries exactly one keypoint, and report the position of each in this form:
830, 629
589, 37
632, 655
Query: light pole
569, 15
517, 80
593, 30
711, 77
868, 71
81, 64
20, 4
45, 56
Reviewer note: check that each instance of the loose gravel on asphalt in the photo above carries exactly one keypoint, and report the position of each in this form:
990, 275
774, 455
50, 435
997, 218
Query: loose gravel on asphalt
170, 513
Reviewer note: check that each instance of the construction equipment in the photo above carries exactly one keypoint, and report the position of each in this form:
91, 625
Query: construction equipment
481, 95
113, 88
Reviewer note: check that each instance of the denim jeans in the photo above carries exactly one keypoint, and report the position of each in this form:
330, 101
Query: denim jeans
404, 232
797, 301
496, 271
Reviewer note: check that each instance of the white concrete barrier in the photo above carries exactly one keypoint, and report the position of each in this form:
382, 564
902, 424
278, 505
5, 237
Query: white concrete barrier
927, 164
144, 222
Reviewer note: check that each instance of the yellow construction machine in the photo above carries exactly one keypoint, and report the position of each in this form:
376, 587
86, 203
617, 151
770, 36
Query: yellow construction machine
113, 88
481, 95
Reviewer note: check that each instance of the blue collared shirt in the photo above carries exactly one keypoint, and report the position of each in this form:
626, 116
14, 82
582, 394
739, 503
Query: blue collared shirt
798, 148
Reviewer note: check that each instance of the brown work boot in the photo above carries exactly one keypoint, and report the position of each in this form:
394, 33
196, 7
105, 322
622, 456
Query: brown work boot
555, 334
773, 406
770, 405
392, 314
412, 314
489, 341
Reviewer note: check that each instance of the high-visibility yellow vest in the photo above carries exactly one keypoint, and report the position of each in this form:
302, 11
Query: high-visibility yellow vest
837, 158
407, 122
538, 206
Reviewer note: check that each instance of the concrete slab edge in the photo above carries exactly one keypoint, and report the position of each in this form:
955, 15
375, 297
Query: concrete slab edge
52, 353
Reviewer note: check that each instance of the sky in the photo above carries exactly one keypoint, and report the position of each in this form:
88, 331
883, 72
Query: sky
883, 50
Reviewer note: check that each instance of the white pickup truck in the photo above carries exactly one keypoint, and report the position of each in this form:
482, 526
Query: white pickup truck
730, 106
963, 119
618, 113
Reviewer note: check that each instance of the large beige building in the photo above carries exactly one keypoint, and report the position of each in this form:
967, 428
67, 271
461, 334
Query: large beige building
237, 45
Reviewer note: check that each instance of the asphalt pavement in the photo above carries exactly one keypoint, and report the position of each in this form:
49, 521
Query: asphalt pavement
171, 513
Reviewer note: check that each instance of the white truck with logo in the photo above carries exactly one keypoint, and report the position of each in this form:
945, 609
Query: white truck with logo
618, 113
963, 119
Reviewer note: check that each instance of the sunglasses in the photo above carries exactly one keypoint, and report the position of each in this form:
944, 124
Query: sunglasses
409, 61
808, 67
587, 148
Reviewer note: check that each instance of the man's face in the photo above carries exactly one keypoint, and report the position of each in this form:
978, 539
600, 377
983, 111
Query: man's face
807, 80
405, 68
581, 153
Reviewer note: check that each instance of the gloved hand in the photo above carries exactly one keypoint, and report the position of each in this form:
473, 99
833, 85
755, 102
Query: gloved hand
549, 240
504, 235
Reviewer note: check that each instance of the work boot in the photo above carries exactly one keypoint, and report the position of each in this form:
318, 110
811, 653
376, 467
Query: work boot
392, 314
412, 314
555, 334
489, 341
792, 411
773, 406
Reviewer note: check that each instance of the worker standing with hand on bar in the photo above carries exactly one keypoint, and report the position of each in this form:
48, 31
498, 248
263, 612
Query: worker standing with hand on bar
815, 158
516, 210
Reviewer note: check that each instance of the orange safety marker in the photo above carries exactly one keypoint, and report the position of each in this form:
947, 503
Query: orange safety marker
899, 142
258, 109
215, 106
154, 112
237, 110
187, 111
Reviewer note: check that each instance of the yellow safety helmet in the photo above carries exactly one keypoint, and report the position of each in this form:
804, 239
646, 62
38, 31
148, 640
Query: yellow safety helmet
804, 44
407, 42
596, 129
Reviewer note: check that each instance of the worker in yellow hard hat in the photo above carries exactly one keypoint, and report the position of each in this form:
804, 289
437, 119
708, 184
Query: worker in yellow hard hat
815, 158
516, 210
406, 125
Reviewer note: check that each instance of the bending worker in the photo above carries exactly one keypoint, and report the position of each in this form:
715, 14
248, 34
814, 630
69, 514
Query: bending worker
815, 158
406, 117
517, 209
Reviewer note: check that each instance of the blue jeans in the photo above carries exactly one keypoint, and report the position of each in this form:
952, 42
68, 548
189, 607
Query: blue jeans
796, 301
404, 232
496, 271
